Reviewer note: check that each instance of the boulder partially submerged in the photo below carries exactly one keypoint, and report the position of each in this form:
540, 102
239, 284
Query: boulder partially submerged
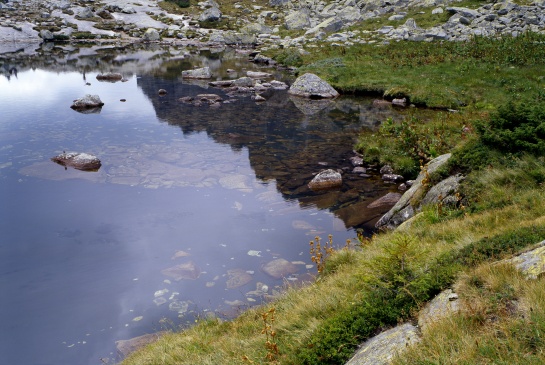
311, 86
326, 179
87, 102
77, 160
110, 77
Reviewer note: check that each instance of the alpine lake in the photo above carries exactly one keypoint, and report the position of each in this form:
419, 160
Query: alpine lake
188, 215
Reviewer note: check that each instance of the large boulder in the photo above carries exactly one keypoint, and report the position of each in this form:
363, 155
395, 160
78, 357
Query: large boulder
311, 86
443, 305
530, 263
326, 179
77, 160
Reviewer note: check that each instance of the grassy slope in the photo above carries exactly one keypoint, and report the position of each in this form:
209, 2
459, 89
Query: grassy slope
390, 277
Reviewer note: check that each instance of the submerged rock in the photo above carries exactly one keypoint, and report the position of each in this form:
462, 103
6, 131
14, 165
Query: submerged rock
237, 278
387, 200
311, 86
187, 270
128, 346
326, 179
279, 268
79, 161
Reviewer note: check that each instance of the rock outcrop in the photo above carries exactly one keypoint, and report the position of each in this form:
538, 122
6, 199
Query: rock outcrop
381, 349
421, 193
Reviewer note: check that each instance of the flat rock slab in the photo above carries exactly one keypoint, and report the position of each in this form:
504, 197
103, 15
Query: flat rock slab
443, 305
381, 349
79, 161
311, 86
530, 263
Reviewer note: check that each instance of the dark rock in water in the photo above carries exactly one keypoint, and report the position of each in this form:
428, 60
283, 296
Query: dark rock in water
387, 200
110, 77
279, 268
162, 92
87, 102
311, 86
79, 161
326, 179
128, 346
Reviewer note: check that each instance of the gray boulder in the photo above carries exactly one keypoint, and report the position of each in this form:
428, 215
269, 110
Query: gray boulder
530, 263
151, 35
311, 86
210, 15
46, 35
86, 13
297, 20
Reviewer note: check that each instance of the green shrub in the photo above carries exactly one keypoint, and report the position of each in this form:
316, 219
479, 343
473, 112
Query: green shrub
516, 127
289, 57
181, 3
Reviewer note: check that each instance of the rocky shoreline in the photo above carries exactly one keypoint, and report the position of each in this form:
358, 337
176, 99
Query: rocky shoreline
24, 24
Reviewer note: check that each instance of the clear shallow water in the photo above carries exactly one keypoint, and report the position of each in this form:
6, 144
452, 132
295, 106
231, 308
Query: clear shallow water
221, 191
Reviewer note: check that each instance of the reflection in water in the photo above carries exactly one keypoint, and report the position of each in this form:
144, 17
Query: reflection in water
195, 210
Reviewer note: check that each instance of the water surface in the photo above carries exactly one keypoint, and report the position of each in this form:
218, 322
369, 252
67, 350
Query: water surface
84, 256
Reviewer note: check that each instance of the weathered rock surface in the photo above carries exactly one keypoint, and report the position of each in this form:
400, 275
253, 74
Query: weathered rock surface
279, 268
311, 86
326, 179
79, 161
87, 102
380, 349
407, 206
444, 192
443, 305
530, 263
